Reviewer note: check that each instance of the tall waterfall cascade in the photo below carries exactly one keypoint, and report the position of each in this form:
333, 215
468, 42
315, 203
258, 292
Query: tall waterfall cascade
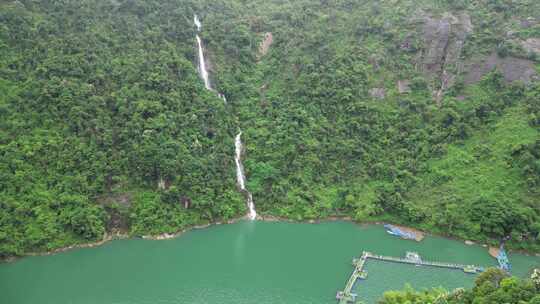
202, 63
240, 177
197, 22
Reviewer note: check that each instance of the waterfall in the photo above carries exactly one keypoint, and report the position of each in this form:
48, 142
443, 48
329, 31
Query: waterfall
202, 65
222, 97
197, 23
240, 177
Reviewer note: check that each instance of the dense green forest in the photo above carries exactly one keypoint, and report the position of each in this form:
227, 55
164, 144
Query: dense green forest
100, 102
492, 286
425, 113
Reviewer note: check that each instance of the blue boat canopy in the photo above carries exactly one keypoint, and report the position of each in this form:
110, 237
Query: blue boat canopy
502, 259
393, 230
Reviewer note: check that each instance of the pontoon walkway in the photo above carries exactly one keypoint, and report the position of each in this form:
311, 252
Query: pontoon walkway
347, 296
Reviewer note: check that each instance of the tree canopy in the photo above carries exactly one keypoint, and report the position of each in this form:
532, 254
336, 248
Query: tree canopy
106, 125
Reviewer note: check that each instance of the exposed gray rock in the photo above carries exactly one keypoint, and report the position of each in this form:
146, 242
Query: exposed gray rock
436, 36
512, 69
378, 93
403, 86
529, 22
444, 38
510, 34
532, 45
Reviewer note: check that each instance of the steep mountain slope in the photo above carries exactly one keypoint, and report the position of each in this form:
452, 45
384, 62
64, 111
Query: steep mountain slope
352, 100
101, 101
361, 108
482, 179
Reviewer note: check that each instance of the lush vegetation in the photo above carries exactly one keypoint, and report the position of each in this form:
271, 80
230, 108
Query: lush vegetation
101, 100
492, 286
106, 125
319, 144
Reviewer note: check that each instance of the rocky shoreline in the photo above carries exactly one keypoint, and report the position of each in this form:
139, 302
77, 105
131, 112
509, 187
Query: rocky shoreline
167, 236
118, 235
106, 238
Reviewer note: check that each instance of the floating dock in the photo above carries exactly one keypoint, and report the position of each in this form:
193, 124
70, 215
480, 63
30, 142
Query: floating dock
348, 297
502, 259
501, 256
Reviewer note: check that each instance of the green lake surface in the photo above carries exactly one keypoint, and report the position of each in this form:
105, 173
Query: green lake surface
243, 263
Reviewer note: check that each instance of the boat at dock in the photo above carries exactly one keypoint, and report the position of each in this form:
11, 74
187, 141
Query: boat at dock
473, 269
413, 257
396, 231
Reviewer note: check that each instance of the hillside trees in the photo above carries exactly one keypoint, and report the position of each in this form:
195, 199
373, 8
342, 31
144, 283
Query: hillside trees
492, 286
98, 99
101, 99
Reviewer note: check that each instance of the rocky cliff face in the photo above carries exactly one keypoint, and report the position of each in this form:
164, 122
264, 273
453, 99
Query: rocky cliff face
442, 62
444, 38
512, 69
531, 45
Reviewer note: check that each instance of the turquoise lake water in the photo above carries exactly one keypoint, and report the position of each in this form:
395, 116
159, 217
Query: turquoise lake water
242, 263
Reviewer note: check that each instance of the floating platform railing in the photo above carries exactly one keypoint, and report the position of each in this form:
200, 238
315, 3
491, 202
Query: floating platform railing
348, 297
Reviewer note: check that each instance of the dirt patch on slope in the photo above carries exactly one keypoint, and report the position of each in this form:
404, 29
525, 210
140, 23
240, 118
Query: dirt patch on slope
123, 199
403, 86
117, 206
265, 44
378, 93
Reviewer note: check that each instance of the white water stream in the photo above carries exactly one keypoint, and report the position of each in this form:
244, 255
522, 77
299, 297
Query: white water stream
240, 177
197, 22
202, 63
239, 147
